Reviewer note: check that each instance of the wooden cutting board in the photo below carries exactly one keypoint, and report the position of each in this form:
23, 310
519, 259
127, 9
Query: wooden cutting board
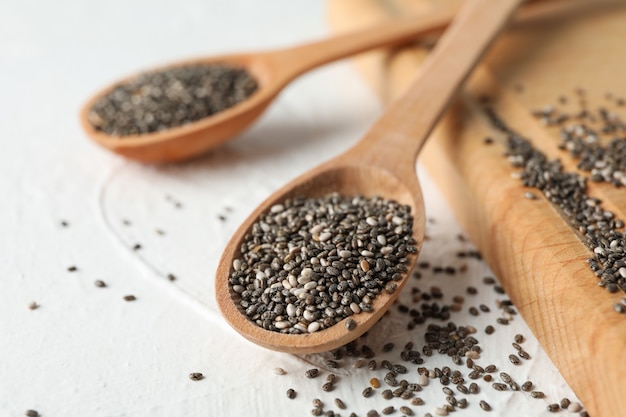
537, 256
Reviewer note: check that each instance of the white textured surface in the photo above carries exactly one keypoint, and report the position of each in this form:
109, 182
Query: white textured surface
87, 352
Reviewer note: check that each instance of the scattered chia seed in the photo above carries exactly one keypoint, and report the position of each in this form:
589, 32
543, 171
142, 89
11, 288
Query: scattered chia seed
388, 347
171, 277
484, 405
129, 297
553, 408
574, 407
160, 100
440, 411
99, 283
506, 378
196, 376
491, 368
64, 223
137, 246
514, 359
287, 278
291, 393
32, 413
406, 411
279, 371
598, 227
33, 305
498, 386
340, 404
72, 269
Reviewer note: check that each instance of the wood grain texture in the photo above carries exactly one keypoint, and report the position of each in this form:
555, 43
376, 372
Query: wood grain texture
527, 243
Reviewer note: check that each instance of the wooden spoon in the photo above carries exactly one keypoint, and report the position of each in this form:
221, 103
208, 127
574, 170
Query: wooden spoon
381, 164
273, 70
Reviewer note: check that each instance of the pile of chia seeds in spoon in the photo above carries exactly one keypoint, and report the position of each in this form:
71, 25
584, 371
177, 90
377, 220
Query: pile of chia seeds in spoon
160, 100
307, 264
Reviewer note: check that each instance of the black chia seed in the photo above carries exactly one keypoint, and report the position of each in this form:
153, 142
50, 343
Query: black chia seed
196, 376
598, 227
307, 264
160, 100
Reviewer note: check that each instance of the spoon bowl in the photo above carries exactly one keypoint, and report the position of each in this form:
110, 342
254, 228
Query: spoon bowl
381, 164
181, 142
346, 176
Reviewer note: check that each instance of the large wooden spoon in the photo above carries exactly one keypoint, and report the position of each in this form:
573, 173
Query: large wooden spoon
381, 164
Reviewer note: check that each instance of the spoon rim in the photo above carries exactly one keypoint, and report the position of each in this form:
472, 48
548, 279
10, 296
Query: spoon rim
336, 335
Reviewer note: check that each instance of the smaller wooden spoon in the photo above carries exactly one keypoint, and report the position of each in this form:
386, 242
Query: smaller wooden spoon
381, 164
273, 70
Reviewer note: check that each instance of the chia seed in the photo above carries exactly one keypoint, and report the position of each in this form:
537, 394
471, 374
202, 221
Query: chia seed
598, 227
290, 277
160, 100
196, 376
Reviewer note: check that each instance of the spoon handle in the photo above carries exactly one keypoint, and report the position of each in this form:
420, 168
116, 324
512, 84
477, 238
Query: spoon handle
294, 61
397, 137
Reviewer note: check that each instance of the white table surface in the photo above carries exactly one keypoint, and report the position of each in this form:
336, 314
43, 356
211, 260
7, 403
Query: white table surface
86, 351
